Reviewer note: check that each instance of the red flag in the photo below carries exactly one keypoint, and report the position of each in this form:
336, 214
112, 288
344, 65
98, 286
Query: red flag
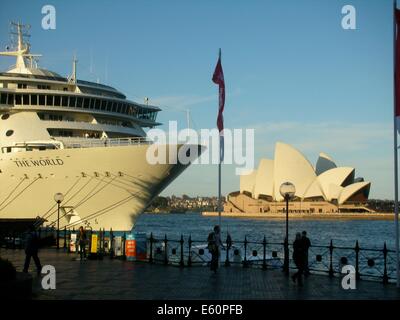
218, 78
397, 66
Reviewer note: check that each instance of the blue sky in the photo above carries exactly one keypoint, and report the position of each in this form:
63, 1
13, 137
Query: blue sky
291, 71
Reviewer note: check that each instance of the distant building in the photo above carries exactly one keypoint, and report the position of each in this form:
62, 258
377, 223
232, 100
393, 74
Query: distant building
324, 188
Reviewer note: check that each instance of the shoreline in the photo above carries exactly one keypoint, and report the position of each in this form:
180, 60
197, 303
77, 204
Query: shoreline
302, 216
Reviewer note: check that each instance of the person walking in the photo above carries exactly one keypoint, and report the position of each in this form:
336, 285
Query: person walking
214, 247
32, 249
298, 258
82, 243
306, 246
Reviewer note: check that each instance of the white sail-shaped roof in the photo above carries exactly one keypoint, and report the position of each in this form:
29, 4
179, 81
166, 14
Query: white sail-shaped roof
352, 189
314, 191
332, 184
247, 181
324, 163
290, 165
336, 176
264, 182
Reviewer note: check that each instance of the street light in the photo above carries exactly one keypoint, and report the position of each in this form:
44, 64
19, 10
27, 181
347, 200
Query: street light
287, 191
58, 197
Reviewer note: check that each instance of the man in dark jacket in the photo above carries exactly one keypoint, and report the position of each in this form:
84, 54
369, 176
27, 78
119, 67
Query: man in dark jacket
31, 250
306, 246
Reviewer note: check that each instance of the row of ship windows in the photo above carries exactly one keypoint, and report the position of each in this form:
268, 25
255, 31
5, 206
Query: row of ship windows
77, 102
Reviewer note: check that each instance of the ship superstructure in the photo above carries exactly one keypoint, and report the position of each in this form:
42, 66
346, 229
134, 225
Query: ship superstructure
79, 138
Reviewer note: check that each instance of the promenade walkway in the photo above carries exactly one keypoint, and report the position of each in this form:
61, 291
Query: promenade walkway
116, 279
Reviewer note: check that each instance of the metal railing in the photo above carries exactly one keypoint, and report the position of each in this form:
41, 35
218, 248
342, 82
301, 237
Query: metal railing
70, 143
369, 264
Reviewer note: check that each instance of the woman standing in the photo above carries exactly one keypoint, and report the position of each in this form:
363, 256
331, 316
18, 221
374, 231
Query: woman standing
82, 243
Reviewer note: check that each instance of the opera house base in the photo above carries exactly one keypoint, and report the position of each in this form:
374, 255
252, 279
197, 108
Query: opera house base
242, 205
304, 216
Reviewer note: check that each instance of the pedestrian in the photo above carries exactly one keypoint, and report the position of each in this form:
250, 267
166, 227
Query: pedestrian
298, 258
306, 246
32, 249
82, 243
214, 247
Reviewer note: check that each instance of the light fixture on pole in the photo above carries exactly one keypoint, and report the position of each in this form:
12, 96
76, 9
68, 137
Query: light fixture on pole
58, 197
287, 191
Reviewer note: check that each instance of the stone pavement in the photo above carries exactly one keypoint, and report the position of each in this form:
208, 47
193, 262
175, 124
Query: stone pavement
117, 279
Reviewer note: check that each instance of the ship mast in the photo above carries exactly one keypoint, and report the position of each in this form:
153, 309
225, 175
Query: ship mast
22, 50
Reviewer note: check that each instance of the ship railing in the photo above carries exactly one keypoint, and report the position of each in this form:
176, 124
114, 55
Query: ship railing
70, 143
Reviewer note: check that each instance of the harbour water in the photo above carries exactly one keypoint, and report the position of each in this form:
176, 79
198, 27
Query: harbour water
370, 233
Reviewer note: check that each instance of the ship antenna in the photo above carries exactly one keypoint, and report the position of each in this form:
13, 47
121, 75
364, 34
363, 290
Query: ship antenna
72, 77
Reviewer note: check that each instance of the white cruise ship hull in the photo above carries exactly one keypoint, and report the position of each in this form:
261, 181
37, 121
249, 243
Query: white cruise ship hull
104, 187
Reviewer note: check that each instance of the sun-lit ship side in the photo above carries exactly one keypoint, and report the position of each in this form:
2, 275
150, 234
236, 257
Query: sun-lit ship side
82, 139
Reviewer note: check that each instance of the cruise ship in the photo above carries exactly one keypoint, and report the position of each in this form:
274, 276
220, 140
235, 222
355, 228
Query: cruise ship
81, 140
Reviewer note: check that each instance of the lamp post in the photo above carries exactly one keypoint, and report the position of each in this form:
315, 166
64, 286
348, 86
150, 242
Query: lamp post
287, 191
58, 197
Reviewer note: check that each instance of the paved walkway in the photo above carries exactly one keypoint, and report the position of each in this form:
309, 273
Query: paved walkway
116, 279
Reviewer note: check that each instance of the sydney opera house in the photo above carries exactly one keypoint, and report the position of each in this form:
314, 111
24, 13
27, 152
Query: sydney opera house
325, 188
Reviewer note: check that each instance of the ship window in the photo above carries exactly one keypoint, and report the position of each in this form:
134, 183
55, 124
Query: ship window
114, 107
65, 89
109, 104
57, 100
79, 102
103, 104
124, 108
21, 85
34, 99
17, 99
3, 99
42, 100
92, 103
50, 101
25, 99
86, 102
9, 133
72, 101
55, 117
97, 105
10, 99
65, 101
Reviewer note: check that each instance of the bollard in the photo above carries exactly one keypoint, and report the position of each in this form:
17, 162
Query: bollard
385, 275
165, 250
13, 243
69, 241
123, 246
181, 262
189, 262
103, 249
111, 244
264, 265
357, 250
330, 259
65, 238
151, 248
228, 246
245, 265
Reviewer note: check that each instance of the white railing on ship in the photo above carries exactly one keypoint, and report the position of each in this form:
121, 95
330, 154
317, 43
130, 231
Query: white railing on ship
97, 143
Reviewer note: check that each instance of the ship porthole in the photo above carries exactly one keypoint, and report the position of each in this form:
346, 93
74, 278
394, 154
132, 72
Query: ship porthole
9, 133
5, 116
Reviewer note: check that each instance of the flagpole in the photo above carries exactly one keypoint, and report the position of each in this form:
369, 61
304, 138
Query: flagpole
396, 180
219, 184
219, 169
